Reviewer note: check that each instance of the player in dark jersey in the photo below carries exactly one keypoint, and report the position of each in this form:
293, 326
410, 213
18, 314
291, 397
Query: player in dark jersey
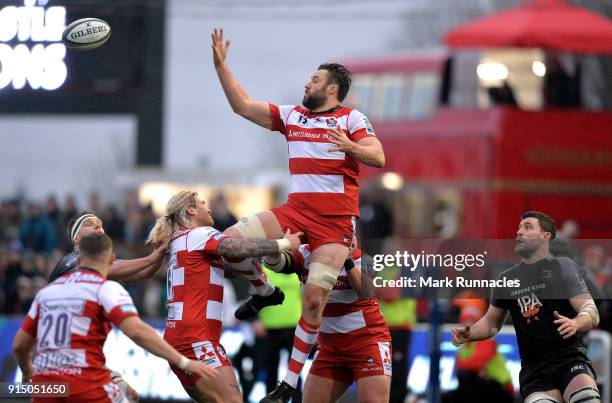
132, 270
548, 308
86, 223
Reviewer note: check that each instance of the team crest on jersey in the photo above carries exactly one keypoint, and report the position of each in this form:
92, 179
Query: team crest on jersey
530, 307
546, 274
221, 351
368, 125
331, 122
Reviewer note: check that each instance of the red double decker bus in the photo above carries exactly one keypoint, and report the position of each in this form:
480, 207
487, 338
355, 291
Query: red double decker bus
452, 153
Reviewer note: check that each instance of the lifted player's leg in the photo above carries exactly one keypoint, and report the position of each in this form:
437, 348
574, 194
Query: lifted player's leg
323, 271
549, 396
260, 225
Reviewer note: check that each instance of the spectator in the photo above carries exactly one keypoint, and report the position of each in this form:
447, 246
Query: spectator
399, 311
561, 89
503, 95
593, 261
114, 225
375, 224
565, 242
94, 202
69, 212
222, 216
55, 216
37, 232
279, 324
10, 220
481, 371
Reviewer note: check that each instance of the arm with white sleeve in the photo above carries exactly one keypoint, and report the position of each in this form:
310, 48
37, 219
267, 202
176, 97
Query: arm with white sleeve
119, 309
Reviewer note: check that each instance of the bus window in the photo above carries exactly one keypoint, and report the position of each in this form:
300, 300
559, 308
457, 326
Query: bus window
423, 95
360, 95
392, 87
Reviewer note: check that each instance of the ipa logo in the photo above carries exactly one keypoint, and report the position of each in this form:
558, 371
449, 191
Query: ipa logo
530, 307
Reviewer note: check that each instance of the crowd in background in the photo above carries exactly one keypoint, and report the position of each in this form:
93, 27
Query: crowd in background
33, 239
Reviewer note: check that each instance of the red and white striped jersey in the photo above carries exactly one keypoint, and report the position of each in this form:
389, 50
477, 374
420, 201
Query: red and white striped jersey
322, 181
194, 287
347, 320
71, 318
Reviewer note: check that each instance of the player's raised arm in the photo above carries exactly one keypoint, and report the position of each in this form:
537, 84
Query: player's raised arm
257, 112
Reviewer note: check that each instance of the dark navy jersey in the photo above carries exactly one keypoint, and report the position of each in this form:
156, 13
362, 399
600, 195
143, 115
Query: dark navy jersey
67, 264
545, 287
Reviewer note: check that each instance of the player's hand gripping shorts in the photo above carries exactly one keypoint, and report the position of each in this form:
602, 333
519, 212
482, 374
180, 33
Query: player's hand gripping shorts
318, 229
209, 353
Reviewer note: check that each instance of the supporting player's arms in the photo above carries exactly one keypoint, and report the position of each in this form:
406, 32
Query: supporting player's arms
148, 272
146, 337
256, 111
234, 248
22, 350
361, 277
486, 327
124, 270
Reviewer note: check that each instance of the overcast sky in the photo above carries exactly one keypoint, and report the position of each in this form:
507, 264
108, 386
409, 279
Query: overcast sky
274, 50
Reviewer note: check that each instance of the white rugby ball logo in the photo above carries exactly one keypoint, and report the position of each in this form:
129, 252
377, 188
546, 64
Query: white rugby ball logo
86, 33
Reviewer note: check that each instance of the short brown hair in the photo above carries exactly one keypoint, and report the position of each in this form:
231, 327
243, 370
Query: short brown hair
338, 74
546, 223
94, 246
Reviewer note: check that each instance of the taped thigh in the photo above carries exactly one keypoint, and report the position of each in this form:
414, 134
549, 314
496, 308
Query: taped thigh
322, 275
588, 394
250, 227
541, 397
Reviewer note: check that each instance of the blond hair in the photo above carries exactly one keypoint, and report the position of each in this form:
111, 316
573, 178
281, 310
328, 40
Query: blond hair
176, 216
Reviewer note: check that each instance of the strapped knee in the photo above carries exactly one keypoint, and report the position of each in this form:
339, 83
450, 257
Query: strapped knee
322, 275
250, 227
541, 397
588, 394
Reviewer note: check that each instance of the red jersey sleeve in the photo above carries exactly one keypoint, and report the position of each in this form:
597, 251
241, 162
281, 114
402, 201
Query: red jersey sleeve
116, 302
30, 322
279, 115
359, 126
205, 240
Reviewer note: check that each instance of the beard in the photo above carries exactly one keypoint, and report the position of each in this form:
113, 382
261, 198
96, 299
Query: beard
526, 248
314, 100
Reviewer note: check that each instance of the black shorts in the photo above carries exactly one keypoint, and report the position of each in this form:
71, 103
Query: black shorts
555, 373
